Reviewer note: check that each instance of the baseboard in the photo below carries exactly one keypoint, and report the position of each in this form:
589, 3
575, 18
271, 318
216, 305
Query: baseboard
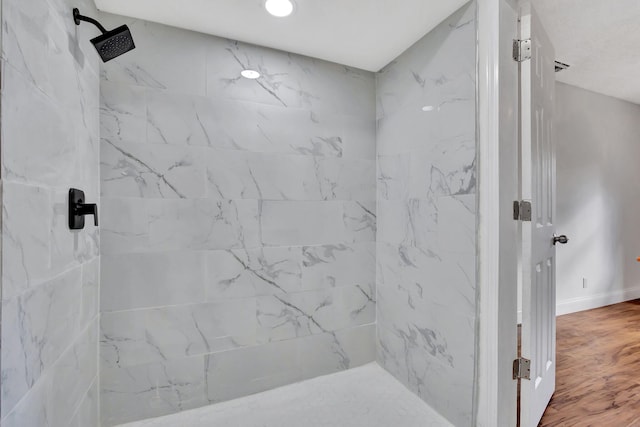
575, 305
594, 301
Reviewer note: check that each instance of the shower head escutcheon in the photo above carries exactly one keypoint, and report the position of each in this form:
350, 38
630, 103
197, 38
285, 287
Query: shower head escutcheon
110, 44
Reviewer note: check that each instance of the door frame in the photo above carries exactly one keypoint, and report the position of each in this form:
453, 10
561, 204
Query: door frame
495, 391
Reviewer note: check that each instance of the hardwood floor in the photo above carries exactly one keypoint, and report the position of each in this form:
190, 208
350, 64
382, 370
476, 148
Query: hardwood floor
598, 368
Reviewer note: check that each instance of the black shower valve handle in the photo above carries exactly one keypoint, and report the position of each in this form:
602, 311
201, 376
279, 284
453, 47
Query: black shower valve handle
78, 209
83, 209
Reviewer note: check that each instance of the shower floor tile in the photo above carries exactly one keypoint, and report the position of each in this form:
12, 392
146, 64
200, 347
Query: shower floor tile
362, 397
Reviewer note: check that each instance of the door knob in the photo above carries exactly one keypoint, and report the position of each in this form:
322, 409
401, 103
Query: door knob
560, 239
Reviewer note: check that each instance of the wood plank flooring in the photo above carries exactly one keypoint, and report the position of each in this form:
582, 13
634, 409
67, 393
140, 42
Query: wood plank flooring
598, 368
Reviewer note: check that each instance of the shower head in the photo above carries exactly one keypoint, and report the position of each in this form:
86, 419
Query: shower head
114, 43
110, 44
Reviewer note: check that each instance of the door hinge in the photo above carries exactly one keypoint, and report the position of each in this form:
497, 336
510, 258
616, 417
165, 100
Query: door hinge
521, 50
522, 210
522, 369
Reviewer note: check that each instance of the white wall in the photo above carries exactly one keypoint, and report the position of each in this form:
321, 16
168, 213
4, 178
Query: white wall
50, 274
598, 156
238, 221
426, 284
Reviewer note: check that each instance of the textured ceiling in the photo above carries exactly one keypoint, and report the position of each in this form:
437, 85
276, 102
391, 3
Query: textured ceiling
366, 34
600, 39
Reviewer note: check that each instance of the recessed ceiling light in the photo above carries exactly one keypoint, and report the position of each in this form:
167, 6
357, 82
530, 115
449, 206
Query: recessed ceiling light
427, 108
250, 74
279, 8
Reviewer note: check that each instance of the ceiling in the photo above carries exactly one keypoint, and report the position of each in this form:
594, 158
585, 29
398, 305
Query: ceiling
366, 34
600, 39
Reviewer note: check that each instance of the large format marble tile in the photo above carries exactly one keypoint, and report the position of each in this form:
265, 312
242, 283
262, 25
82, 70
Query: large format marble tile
123, 113
227, 205
130, 281
444, 169
315, 133
52, 113
175, 118
251, 370
335, 265
136, 225
150, 390
159, 59
38, 42
313, 223
243, 273
339, 179
74, 371
437, 224
246, 371
328, 353
287, 80
90, 301
412, 129
282, 317
410, 223
427, 327
247, 125
124, 225
236, 175
142, 170
26, 228
37, 326
153, 389
426, 241
50, 142
360, 135
438, 70
73, 375
33, 410
361, 397
44, 405
360, 220
31, 122
407, 361
457, 224
404, 355
142, 336
87, 413
163, 117
202, 224
418, 274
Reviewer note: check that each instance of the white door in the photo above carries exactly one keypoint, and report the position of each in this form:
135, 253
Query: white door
538, 270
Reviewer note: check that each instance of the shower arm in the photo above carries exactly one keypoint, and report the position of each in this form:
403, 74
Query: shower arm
77, 18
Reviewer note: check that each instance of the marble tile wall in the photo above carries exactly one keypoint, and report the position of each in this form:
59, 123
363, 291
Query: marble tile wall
426, 209
238, 238
50, 275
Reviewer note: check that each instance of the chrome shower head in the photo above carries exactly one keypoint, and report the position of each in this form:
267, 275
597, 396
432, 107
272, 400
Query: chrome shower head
110, 44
